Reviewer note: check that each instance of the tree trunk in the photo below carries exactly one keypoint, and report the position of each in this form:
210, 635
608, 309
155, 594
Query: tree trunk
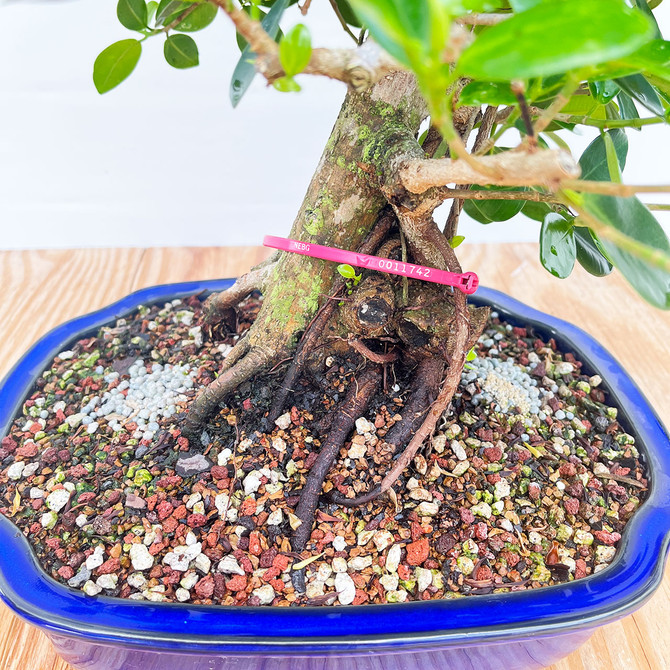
342, 204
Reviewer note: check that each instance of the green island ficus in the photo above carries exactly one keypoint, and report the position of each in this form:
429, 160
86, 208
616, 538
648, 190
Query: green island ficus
432, 89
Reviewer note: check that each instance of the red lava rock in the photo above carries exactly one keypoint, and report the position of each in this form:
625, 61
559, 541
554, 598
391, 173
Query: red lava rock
171, 576
567, 470
219, 585
64, 455
477, 462
277, 584
248, 507
493, 454
268, 557
417, 552
37, 503
360, 597
164, 510
28, 450
183, 443
8, 444
281, 562
580, 568
109, 566
135, 502
180, 513
66, 572
247, 404
255, 543
205, 587
493, 479
219, 472
237, 583
481, 530
576, 490
271, 573
606, 538
170, 525
484, 573
534, 491
156, 572
466, 515
86, 497
404, 572
50, 456
571, 505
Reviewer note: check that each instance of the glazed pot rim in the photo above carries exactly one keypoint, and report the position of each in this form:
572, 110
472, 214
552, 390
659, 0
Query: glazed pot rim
622, 587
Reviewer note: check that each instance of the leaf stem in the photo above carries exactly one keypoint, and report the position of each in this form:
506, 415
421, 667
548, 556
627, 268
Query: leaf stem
610, 188
561, 100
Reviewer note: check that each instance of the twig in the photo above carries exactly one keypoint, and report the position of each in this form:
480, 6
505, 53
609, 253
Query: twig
483, 19
561, 100
462, 194
611, 188
343, 23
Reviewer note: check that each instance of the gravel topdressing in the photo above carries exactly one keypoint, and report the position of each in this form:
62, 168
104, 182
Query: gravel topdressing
528, 482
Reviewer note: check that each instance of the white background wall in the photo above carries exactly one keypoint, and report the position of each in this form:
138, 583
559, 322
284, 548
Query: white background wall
164, 160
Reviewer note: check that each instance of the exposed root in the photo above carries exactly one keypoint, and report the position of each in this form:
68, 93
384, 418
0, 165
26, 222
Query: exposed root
360, 392
240, 350
218, 304
207, 403
366, 352
424, 391
313, 332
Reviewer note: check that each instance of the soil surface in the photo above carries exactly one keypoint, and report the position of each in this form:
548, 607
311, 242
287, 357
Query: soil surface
528, 481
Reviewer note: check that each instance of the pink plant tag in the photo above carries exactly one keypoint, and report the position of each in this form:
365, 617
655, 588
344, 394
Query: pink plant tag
465, 281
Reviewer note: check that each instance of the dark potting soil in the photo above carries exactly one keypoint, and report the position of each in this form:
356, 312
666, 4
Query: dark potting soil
528, 481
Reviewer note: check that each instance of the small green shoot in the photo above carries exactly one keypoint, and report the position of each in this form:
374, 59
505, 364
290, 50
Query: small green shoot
350, 276
471, 355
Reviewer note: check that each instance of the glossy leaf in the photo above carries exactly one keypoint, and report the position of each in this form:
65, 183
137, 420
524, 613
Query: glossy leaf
603, 91
348, 13
286, 85
591, 32
244, 70
346, 270
200, 18
167, 8
594, 159
181, 51
152, 6
633, 219
641, 90
644, 7
132, 14
487, 93
589, 254
295, 50
456, 241
558, 249
613, 167
488, 211
115, 63
627, 108
536, 211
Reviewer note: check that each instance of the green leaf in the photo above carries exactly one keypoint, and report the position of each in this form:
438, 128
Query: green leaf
627, 108
286, 85
487, 93
115, 63
132, 14
536, 211
641, 90
591, 32
181, 51
200, 18
488, 211
589, 253
244, 70
152, 6
456, 241
167, 8
348, 13
633, 219
558, 249
522, 5
346, 271
295, 50
603, 91
594, 159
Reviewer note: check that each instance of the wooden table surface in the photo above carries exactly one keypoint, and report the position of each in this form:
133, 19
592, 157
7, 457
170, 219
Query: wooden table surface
41, 289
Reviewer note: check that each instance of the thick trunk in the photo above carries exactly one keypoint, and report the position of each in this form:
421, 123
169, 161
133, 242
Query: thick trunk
342, 203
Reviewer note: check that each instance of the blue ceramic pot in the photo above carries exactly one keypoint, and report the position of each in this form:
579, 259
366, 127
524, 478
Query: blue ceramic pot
515, 631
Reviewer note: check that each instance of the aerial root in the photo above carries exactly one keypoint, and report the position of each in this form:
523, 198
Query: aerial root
359, 395
424, 391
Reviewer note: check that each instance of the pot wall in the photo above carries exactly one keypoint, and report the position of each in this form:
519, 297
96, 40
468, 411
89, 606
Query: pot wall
529, 654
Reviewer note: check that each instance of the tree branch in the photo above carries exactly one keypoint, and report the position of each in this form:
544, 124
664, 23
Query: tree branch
512, 168
463, 194
611, 188
359, 68
483, 19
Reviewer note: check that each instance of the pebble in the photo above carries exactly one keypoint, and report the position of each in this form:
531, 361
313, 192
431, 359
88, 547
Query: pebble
458, 450
140, 557
424, 579
137, 580
252, 482
96, 559
284, 421
382, 539
182, 595
339, 543
359, 563
107, 582
275, 518
230, 566
389, 581
364, 426
357, 451
345, 587
192, 465
265, 594
393, 558
180, 557
91, 588
339, 564
15, 470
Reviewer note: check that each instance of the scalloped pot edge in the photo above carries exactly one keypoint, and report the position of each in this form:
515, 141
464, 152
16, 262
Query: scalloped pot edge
520, 630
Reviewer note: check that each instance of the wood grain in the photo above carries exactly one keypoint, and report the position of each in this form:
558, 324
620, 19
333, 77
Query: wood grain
44, 288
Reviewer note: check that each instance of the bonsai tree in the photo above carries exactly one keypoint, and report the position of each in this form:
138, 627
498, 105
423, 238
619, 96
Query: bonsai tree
466, 71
